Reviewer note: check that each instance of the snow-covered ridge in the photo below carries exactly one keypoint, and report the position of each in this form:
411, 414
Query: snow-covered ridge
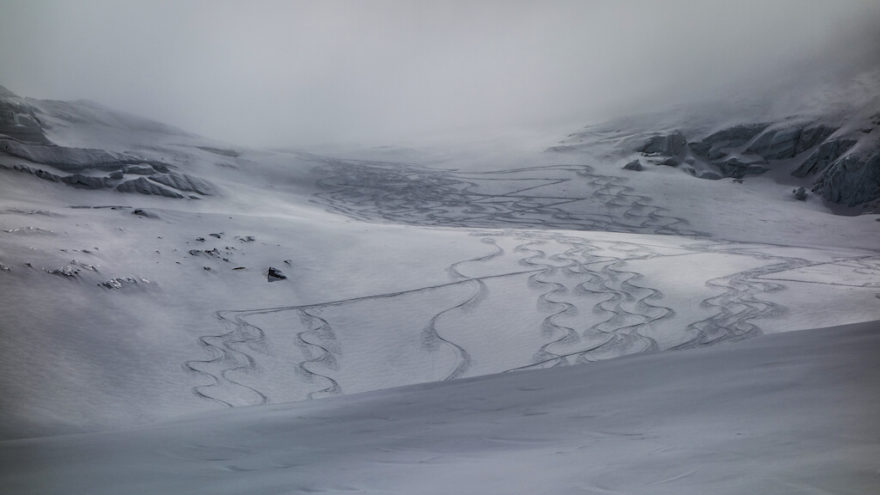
31, 129
832, 149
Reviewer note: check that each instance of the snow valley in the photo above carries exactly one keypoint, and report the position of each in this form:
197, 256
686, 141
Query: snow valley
153, 280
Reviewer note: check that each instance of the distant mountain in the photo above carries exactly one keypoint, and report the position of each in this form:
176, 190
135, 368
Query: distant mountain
834, 151
86, 145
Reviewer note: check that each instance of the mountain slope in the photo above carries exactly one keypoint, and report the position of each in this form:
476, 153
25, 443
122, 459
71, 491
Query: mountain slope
792, 413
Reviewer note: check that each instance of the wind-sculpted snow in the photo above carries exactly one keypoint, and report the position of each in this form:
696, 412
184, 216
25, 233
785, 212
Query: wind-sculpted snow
565, 197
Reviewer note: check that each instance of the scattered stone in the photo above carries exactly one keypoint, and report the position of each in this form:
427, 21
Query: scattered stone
239, 268
206, 268
247, 238
274, 275
69, 271
218, 235
215, 253
4, 268
635, 165
290, 263
120, 282
800, 193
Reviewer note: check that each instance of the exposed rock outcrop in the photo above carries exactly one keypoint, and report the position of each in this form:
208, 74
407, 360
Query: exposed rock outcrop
788, 142
143, 186
852, 180
824, 156
668, 144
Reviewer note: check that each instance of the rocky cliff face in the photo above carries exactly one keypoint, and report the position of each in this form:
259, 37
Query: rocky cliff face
844, 161
25, 146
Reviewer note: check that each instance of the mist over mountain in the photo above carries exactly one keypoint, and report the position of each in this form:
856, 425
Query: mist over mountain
304, 73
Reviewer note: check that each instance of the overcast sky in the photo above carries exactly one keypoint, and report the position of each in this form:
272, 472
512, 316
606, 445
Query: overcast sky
293, 73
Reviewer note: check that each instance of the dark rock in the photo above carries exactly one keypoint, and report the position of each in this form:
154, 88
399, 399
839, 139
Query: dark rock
206, 268
121, 282
634, 165
274, 275
785, 143
824, 156
670, 162
140, 169
712, 145
143, 186
800, 193
775, 144
217, 235
709, 175
852, 180
116, 175
86, 181
144, 213
670, 144
200, 239
736, 168
811, 136
42, 174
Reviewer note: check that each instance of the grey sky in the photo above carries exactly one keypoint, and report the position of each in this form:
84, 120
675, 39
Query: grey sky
288, 73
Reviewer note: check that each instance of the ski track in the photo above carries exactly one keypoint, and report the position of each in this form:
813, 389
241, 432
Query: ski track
561, 268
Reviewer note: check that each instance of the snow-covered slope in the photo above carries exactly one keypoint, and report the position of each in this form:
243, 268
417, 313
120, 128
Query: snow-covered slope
130, 304
780, 414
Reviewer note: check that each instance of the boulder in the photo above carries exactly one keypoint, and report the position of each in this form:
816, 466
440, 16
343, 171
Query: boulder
275, 275
635, 165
